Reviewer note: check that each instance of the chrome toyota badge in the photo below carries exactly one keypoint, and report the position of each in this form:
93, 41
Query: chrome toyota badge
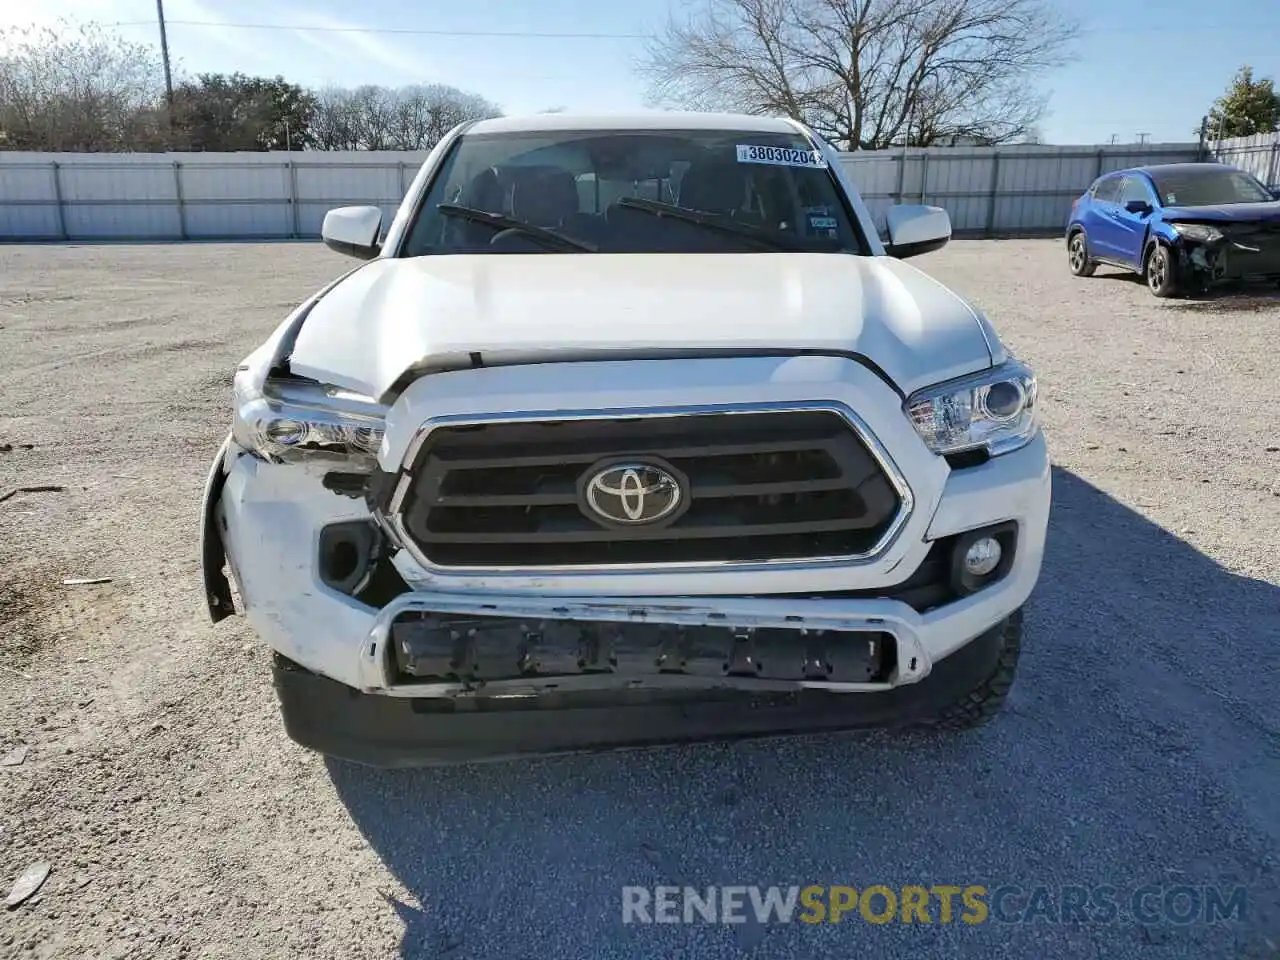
631, 494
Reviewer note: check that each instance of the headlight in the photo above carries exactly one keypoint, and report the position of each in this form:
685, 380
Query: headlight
995, 409
1201, 232
287, 420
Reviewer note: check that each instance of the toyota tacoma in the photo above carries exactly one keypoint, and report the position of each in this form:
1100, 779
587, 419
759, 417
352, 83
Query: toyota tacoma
628, 430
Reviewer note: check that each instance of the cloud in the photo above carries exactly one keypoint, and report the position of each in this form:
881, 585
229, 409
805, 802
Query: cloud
337, 38
49, 12
214, 30
205, 43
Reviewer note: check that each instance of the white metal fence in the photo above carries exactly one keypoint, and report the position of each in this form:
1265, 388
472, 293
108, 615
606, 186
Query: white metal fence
989, 191
1260, 155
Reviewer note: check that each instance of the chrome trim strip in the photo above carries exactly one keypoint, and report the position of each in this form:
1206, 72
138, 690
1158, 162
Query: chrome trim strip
896, 478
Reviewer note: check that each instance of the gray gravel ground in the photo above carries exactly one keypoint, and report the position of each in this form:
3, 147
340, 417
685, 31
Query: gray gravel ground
1141, 745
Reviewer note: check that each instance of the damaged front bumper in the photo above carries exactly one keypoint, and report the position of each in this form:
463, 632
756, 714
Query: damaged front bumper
437, 675
443, 645
1209, 253
399, 731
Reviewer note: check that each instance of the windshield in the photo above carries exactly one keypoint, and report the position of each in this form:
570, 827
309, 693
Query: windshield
1208, 187
633, 191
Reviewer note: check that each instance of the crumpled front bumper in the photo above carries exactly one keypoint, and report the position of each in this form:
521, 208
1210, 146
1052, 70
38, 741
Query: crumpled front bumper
346, 690
1239, 254
327, 716
268, 519
511, 645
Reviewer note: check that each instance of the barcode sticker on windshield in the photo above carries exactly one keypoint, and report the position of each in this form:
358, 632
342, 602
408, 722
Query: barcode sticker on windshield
781, 156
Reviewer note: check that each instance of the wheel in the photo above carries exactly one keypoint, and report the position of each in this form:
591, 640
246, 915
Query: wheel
981, 704
1078, 256
1161, 274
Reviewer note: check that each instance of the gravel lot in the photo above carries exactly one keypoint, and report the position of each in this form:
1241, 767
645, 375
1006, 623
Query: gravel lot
1141, 746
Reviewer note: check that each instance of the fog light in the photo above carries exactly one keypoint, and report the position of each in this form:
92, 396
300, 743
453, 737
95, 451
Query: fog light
982, 557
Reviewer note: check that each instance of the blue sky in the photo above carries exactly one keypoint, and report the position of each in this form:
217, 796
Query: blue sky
1145, 67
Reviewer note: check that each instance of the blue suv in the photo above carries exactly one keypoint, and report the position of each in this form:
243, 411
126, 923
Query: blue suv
1182, 226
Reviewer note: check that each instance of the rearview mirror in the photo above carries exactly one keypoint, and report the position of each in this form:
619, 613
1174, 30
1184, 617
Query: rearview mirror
916, 229
352, 231
1140, 207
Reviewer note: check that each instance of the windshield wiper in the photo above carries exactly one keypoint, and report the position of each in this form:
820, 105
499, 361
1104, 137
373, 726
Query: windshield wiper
499, 221
762, 238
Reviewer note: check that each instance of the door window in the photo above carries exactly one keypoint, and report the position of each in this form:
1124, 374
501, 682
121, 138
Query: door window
1108, 191
1134, 189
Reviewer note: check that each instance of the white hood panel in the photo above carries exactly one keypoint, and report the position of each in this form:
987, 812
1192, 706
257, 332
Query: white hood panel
436, 312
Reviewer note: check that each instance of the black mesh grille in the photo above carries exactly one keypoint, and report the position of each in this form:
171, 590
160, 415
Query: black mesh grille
764, 486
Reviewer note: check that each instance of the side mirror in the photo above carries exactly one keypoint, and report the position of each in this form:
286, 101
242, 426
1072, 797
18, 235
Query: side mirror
1140, 207
352, 231
914, 230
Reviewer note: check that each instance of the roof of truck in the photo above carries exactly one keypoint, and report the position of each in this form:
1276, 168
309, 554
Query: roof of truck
638, 120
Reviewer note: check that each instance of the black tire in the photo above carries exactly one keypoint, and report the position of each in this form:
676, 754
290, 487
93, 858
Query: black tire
981, 704
1161, 272
1078, 256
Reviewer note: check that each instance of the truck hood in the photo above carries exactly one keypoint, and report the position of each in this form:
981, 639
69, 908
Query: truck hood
1226, 212
395, 318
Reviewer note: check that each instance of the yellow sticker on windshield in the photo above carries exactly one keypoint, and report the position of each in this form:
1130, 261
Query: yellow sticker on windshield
781, 156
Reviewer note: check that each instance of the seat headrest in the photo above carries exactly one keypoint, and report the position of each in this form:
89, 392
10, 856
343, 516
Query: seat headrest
483, 191
714, 186
543, 196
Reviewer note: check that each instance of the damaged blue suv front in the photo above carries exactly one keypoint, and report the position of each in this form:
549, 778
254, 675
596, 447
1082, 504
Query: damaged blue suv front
1181, 226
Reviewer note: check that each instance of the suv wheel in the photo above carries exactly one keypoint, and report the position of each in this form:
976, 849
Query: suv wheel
981, 704
1078, 256
1161, 272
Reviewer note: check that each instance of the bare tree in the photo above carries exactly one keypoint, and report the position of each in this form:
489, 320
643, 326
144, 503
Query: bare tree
78, 88
424, 114
334, 121
866, 73
378, 118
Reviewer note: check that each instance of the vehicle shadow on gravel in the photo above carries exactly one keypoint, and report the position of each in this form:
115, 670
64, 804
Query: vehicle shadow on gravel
1141, 746
1225, 298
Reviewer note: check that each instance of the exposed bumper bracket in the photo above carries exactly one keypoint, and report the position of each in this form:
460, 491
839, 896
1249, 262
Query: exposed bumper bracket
454, 645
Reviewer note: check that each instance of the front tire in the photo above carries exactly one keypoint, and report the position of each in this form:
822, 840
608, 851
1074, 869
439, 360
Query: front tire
980, 705
1161, 272
1078, 256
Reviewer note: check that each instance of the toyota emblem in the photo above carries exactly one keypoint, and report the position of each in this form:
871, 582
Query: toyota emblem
632, 494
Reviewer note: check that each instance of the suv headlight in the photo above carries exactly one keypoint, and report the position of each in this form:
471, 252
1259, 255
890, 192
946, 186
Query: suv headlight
294, 420
1201, 232
995, 409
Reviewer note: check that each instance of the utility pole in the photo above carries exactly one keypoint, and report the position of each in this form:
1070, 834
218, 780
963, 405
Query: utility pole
1142, 137
164, 53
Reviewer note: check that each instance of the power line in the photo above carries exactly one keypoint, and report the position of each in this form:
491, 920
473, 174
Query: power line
391, 30
536, 34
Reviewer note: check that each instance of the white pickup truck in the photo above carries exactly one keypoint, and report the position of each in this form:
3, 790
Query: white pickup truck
630, 429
